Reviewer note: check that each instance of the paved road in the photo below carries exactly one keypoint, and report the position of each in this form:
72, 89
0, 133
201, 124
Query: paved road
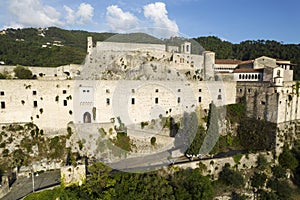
23, 186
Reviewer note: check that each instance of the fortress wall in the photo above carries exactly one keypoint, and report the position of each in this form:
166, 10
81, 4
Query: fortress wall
117, 46
35, 100
51, 73
274, 104
53, 104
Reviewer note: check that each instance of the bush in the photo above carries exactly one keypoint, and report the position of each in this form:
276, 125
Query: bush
22, 73
153, 140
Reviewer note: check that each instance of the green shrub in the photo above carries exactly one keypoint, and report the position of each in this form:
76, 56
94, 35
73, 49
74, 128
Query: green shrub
22, 72
153, 140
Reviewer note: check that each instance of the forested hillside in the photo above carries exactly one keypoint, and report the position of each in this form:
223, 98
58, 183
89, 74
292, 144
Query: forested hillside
24, 47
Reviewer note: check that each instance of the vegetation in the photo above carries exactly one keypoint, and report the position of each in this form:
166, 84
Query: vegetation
22, 73
102, 184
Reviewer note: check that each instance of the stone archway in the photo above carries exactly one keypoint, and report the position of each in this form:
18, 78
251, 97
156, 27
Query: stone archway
87, 117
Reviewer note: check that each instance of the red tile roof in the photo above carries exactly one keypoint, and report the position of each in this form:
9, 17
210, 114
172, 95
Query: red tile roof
227, 61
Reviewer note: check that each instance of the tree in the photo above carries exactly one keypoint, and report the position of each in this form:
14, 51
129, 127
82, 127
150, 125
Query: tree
190, 184
22, 73
287, 160
231, 177
261, 162
258, 180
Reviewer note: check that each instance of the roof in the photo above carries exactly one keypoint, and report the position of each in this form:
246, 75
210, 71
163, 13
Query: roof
247, 70
246, 62
227, 61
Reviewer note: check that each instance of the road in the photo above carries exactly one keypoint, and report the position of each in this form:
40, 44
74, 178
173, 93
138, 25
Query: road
23, 186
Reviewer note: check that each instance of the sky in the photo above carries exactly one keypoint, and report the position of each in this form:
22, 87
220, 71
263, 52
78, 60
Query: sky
231, 20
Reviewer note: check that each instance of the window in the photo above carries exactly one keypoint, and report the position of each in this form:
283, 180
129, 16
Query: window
132, 101
35, 104
2, 105
219, 97
107, 91
179, 90
156, 90
178, 100
249, 90
2, 93
200, 90
220, 90
33, 92
65, 102
199, 99
64, 91
132, 90
156, 100
83, 90
108, 101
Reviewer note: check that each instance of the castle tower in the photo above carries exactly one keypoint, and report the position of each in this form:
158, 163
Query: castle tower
89, 45
209, 62
186, 48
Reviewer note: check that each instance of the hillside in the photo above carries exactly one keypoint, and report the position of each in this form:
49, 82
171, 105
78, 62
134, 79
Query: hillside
25, 46
54, 47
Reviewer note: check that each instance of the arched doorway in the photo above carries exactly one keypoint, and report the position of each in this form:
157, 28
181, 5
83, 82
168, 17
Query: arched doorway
87, 117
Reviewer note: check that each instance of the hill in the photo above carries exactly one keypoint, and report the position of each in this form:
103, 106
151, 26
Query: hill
54, 46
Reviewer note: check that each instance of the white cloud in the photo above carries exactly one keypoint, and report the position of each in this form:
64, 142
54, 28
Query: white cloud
158, 14
34, 13
83, 15
120, 21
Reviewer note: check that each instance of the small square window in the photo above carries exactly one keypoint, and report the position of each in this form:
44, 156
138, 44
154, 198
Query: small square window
88, 91
219, 97
156, 90
2, 93
156, 100
107, 91
35, 104
83, 90
220, 90
108, 101
132, 101
64, 91
2, 105
133, 90
200, 90
33, 92
179, 90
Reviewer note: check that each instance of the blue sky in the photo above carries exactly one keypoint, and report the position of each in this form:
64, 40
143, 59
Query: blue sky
232, 20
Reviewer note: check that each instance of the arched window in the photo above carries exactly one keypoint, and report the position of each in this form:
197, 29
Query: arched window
259, 76
255, 76
243, 76
240, 76
278, 72
252, 77
87, 117
246, 76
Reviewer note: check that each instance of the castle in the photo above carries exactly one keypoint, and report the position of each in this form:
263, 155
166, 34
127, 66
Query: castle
140, 82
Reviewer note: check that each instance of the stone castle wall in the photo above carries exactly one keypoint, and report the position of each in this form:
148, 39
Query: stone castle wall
53, 104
